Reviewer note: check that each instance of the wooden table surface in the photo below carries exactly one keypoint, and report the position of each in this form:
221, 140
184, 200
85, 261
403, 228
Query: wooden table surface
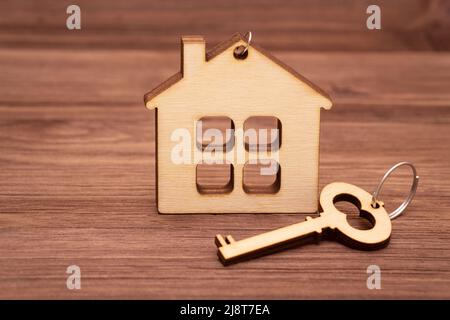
77, 182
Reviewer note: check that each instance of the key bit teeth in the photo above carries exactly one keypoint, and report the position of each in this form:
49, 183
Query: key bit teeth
229, 239
220, 241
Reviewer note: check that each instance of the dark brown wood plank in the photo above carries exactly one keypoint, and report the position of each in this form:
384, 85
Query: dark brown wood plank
277, 25
102, 78
78, 185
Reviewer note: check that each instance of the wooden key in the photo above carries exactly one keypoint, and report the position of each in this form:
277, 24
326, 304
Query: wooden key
331, 223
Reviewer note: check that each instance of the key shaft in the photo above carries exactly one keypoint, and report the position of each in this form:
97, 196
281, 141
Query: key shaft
270, 240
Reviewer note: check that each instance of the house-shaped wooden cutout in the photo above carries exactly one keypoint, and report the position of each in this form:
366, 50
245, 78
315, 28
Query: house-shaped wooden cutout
231, 88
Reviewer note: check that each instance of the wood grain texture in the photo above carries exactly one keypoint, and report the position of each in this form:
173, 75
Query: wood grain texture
214, 178
255, 182
77, 156
277, 25
215, 133
265, 133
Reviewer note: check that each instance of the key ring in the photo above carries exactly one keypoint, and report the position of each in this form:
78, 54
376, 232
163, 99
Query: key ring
394, 214
248, 36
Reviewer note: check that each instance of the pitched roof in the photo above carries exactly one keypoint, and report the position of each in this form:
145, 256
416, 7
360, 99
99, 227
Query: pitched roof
217, 50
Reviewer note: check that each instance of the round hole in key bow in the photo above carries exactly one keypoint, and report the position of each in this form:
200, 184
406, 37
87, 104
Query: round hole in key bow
349, 205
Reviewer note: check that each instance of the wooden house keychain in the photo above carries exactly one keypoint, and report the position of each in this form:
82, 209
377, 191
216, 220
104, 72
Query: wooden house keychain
331, 223
222, 94
230, 90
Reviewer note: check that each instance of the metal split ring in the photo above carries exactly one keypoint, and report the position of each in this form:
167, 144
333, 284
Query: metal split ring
394, 214
248, 36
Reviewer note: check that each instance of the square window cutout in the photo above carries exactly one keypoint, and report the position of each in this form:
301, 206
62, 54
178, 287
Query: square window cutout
215, 133
262, 133
214, 178
262, 177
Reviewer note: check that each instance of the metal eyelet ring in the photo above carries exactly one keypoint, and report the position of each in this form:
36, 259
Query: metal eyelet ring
241, 52
394, 214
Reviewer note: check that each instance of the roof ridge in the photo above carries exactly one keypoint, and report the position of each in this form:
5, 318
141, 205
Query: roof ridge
220, 48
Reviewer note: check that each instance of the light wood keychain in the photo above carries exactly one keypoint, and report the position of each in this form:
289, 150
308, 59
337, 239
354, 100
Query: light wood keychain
228, 112
331, 223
